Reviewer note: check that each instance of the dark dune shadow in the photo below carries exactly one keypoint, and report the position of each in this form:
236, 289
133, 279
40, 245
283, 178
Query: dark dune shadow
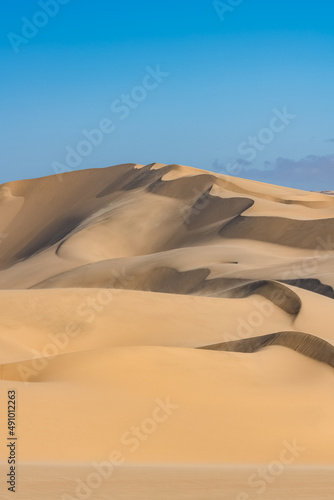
210, 209
48, 236
313, 285
290, 232
304, 343
191, 187
277, 293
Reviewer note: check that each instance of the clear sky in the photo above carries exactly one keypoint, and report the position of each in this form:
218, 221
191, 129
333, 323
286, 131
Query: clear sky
244, 87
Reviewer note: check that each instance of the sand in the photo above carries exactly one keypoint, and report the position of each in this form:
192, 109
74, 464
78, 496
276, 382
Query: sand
173, 324
151, 481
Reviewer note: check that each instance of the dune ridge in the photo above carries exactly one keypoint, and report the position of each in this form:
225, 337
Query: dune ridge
68, 223
306, 344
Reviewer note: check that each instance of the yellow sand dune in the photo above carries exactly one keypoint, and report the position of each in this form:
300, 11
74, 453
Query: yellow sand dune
169, 315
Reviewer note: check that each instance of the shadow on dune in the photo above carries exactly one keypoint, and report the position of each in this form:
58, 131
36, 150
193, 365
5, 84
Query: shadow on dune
51, 234
313, 285
210, 209
134, 178
289, 232
168, 280
277, 293
184, 188
303, 343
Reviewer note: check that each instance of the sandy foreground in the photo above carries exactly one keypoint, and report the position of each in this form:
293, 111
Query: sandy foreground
165, 333
154, 482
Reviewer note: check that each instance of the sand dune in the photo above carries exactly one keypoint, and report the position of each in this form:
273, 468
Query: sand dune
215, 407
193, 306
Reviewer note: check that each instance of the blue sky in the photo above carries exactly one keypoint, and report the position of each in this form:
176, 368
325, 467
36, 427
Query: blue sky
186, 82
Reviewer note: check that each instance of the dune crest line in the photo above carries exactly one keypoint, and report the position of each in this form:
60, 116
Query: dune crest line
309, 345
